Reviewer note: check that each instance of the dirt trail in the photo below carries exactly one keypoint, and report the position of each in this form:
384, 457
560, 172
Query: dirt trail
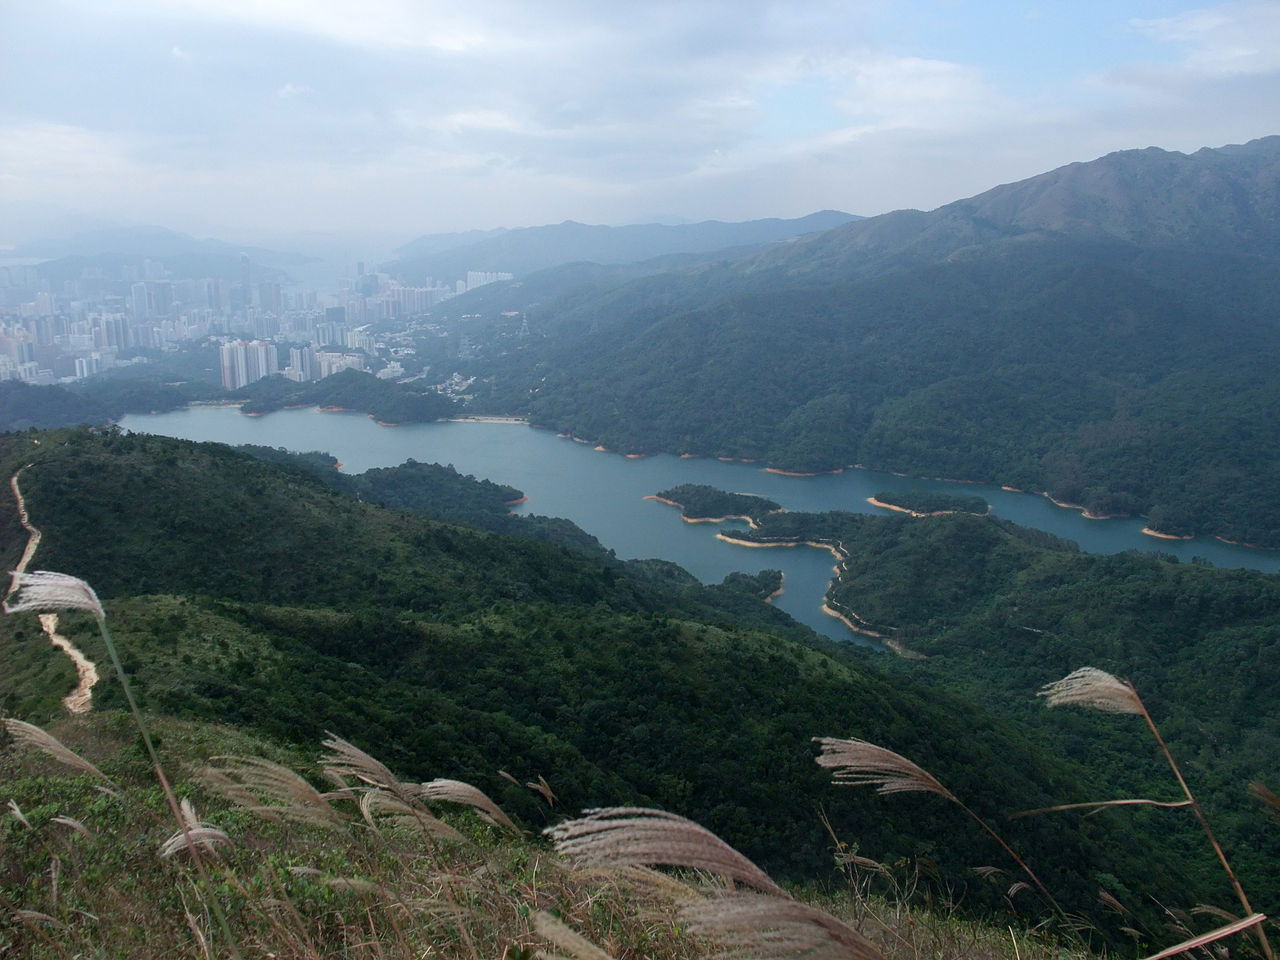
79, 699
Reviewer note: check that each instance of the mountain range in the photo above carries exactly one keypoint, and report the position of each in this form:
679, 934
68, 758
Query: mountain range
529, 249
1104, 332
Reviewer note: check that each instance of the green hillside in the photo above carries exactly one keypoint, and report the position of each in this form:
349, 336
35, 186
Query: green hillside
1105, 333
249, 592
998, 611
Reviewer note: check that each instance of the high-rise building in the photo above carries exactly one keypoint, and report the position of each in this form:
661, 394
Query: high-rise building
233, 362
139, 302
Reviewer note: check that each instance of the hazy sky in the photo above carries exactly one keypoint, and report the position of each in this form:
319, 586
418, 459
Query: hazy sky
253, 119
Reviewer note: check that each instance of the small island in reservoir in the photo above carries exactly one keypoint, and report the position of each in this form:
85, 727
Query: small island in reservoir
929, 503
700, 503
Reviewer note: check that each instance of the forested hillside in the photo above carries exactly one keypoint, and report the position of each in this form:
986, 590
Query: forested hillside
248, 591
995, 609
1105, 332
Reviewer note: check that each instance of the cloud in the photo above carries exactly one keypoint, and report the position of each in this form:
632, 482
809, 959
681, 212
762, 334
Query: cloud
1224, 41
506, 113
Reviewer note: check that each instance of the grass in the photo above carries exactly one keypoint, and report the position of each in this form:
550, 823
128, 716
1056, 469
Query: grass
81, 874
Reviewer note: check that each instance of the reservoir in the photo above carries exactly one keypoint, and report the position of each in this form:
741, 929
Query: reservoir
604, 493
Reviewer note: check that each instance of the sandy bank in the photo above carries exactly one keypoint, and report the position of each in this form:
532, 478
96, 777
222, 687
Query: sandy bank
1241, 543
687, 519
335, 410
384, 423
636, 456
1164, 536
599, 448
795, 473
481, 419
517, 502
779, 592
916, 513
729, 538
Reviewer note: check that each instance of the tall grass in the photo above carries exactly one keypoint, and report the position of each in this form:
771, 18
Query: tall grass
252, 856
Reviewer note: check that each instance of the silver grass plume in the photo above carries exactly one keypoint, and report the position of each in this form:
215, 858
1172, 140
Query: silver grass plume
455, 791
46, 590
746, 926
566, 938
194, 833
1091, 687
346, 759
858, 763
269, 790
75, 825
29, 735
18, 814
638, 837
374, 802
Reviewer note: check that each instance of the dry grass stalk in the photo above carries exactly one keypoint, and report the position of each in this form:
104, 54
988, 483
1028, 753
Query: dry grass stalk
567, 939
18, 814
1095, 688
193, 833
29, 735
1099, 804
75, 825
638, 837
750, 925
1206, 938
859, 763
1091, 687
374, 803
455, 791
346, 759
544, 789
269, 790
46, 590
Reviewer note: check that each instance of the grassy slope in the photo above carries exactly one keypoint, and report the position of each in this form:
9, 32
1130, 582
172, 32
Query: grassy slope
291, 609
1001, 611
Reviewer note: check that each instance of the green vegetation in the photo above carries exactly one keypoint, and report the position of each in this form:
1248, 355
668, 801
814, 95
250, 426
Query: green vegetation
385, 401
1080, 333
247, 592
999, 610
697, 501
929, 501
378, 868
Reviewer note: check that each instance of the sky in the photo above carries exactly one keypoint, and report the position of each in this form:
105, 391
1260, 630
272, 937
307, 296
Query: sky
260, 120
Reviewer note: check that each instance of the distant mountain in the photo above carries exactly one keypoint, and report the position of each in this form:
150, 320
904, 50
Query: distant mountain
184, 266
1154, 198
537, 248
433, 243
155, 242
1106, 332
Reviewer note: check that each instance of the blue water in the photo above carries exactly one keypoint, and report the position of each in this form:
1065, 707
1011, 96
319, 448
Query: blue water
604, 493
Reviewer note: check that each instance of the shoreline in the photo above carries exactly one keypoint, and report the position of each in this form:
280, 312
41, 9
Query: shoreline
916, 513
1165, 536
515, 503
782, 588
681, 507
795, 473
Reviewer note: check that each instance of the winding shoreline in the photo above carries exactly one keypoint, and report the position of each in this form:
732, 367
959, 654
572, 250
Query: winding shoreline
916, 513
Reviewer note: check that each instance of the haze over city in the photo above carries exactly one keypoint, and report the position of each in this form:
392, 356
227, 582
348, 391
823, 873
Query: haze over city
271, 121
